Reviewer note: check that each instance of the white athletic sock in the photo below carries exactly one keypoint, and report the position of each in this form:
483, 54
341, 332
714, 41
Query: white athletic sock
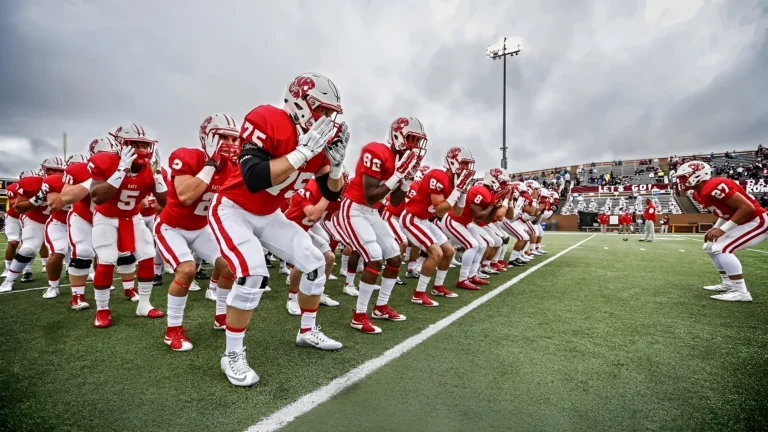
514, 255
78, 289
466, 263
419, 263
176, 307
411, 265
351, 279
308, 319
145, 292
28, 267
158, 269
423, 282
439, 277
221, 300
102, 298
235, 340
128, 284
739, 285
344, 265
53, 283
8, 263
387, 285
497, 257
293, 295
44, 261
364, 296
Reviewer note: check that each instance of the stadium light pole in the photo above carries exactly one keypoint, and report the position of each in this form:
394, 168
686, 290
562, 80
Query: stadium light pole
509, 46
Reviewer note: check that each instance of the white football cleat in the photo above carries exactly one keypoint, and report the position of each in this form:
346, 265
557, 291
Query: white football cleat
194, 286
235, 367
293, 307
332, 277
287, 281
327, 301
267, 289
734, 296
168, 269
210, 294
537, 252
6, 286
317, 339
721, 287
350, 290
51, 292
489, 270
284, 271
542, 252
455, 263
5, 273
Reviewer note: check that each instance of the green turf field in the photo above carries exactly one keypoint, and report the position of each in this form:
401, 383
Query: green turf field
605, 337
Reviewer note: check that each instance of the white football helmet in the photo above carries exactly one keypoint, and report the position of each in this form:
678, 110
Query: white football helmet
213, 126
519, 188
75, 158
53, 165
29, 173
103, 144
532, 185
459, 159
423, 170
494, 179
407, 133
310, 96
692, 173
134, 135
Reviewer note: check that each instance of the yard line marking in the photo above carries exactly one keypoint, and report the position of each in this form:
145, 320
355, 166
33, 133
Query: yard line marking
311, 400
755, 250
41, 288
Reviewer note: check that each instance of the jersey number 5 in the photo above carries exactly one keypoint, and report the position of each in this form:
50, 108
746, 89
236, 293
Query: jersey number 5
127, 199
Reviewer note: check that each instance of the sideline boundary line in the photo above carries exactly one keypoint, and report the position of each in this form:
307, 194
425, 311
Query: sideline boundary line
309, 401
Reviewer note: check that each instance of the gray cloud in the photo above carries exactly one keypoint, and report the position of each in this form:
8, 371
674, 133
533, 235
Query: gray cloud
597, 80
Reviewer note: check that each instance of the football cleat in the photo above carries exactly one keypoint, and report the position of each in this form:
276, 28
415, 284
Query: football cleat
210, 294
350, 290
168, 270
26, 276
327, 301
733, 295
51, 292
332, 277
317, 339
489, 270
131, 294
541, 251
235, 367
399, 281
5, 273
467, 285
293, 307
220, 322
194, 286
102, 319
284, 271
157, 280
478, 281
267, 289
200, 274
537, 252
439, 290
423, 299
412, 274
719, 287
387, 313
175, 338
499, 268
362, 322
149, 312
6, 286
78, 302
455, 263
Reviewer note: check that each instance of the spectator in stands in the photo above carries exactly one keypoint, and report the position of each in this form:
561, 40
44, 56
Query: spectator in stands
592, 165
650, 221
603, 219
711, 155
664, 224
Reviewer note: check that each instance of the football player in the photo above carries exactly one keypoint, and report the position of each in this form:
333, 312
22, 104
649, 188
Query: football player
742, 223
56, 235
382, 169
438, 192
515, 226
119, 182
12, 223
275, 161
31, 202
182, 227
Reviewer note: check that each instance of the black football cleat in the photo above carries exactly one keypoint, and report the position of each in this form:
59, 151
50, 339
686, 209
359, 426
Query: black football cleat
157, 280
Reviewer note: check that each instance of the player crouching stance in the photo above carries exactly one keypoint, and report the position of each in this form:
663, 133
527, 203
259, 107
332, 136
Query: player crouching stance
430, 201
377, 175
245, 215
120, 238
182, 227
742, 224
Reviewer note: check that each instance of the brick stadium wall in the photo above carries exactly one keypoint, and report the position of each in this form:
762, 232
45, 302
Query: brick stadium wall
571, 222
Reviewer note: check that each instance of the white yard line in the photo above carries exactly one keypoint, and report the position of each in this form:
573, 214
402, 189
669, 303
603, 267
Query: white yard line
40, 288
309, 401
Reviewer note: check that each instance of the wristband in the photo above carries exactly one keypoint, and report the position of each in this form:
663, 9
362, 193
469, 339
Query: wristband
297, 158
160, 186
405, 186
462, 200
117, 179
206, 174
336, 172
86, 184
728, 226
393, 181
453, 197
720, 222
505, 203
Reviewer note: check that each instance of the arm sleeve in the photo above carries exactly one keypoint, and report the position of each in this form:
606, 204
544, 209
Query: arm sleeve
322, 184
254, 167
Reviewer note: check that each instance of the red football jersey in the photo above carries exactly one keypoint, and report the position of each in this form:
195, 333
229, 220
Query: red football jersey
478, 194
190, 161
29, 187
376, 160
435, 182
11, 195
55, 183
273, 130
308, 196
126, 202
715, 192
650, 213
76, 174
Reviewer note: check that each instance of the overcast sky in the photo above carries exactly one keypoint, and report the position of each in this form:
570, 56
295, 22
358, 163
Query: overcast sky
597, 80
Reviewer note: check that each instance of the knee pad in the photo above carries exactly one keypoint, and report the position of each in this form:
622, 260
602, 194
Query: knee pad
313, 283
146, 269
126, 264
103, 277
24, 258
80, 267
246, 293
